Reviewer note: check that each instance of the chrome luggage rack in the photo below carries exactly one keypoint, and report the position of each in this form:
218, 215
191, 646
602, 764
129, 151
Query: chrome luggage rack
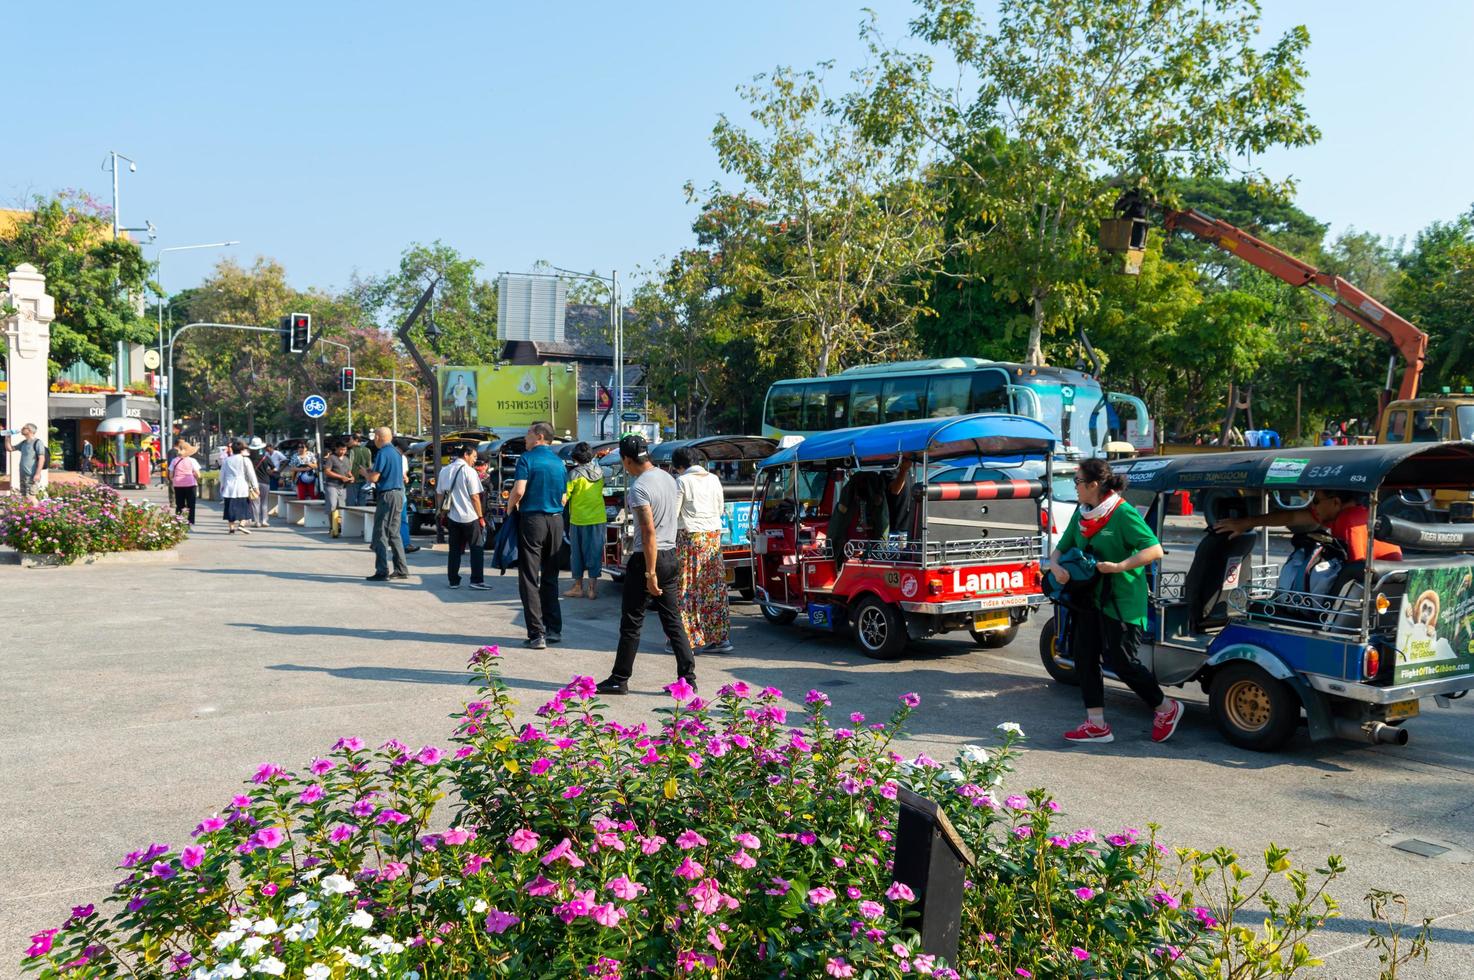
1261, 600
981, 551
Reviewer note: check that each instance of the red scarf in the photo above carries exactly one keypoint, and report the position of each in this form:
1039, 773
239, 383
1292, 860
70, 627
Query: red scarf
1092, 519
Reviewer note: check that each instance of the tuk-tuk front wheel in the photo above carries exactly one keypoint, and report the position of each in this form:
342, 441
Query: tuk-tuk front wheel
1252, 709
879, 629
776, 616
994, 639
1049, 651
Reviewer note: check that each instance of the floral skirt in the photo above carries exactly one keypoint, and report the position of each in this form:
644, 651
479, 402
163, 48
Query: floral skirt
703, 587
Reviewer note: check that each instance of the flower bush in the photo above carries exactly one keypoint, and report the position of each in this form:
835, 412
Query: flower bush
734, 839
72, 520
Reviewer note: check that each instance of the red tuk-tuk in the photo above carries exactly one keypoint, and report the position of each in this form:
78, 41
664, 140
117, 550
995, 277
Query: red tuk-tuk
962, 555
733, 459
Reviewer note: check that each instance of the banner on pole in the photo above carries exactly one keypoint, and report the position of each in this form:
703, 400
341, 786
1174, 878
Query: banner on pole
511, 396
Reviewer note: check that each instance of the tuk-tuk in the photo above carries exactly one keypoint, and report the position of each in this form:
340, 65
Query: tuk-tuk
1273, 625
970, 553
734, 460
500, 472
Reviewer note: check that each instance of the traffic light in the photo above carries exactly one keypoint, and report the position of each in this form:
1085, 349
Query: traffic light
284, 330
301, 330
345, 379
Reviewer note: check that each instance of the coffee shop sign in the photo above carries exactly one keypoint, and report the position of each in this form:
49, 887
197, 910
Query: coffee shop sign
98, 412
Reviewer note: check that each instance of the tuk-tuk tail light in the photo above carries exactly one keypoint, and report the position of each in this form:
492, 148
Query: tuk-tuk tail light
934, 586
1371, 662
1383, 604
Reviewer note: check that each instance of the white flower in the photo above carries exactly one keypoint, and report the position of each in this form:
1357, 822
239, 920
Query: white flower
432, 886
309, 929
241, 923
233, 970
253, 945
266, 926
361, 919
297, 899
293, 932
316, 971
271, 965
974, 753
337, 885
1011, 726
227, 938
951, 776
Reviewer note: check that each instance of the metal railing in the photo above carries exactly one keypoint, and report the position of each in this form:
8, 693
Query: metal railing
978, 552
1262, 601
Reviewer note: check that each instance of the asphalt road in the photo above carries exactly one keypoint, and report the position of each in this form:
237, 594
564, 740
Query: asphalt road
137, 698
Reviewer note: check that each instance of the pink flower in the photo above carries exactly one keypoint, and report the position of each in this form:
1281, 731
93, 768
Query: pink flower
41, 943
209, 825
266, 773
748, 841
1084, 894
429, 755
540, 886
572, 792
1162, 898
837, 967
1079, 953
681, 690
523, 840
321, 766
706, 896
311, 794
392, 870
563, 850
341, 832
780, 887
1205, 917
910, 699
348, 744
817, 697
540, 766
1022, 972
650, 845
623, 888
900, 892
499, 922
690, 869
192, 856
743, 860
270, 837
689, 839
607, 914
391, 816
458, 835
1016, 802
871, 910
822, 895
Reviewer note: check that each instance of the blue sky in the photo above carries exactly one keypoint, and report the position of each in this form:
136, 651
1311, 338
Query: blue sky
330, 135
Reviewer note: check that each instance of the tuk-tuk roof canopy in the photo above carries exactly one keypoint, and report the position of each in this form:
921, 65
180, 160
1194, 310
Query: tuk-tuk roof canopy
1360, 469
964, 435
717, 448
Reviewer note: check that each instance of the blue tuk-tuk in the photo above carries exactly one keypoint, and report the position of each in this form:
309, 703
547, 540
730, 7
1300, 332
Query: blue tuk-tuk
1274, 626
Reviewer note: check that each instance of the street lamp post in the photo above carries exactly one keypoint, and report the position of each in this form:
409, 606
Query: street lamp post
166, 429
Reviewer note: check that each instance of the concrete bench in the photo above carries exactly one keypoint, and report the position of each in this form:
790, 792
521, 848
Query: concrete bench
307, 513
358, 522
279, 500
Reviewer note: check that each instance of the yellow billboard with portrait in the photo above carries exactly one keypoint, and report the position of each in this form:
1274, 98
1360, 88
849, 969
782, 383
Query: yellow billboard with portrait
511, 396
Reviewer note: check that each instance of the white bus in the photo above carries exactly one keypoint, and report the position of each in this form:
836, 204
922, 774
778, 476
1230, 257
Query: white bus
1082, 415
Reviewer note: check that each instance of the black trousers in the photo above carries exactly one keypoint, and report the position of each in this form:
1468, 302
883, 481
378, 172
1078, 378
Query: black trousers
185, 497
1096, 637
539, 538
637, 599
460, 537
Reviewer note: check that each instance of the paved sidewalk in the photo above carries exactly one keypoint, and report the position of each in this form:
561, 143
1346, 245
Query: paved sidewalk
137, 699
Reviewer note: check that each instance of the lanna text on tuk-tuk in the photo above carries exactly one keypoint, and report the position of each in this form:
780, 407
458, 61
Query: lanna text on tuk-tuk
1280, 628
853, 532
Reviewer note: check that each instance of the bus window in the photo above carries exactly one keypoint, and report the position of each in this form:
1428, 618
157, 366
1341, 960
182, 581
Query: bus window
904, 398
785, 407
826, 406
989, 392
949, 394
865, 403
839, 405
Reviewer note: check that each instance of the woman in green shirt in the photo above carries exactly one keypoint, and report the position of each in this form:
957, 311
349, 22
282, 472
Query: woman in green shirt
1111, 531
586, 518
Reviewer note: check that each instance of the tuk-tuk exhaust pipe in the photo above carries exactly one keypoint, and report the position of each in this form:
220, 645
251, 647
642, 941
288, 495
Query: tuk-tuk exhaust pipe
1375, 732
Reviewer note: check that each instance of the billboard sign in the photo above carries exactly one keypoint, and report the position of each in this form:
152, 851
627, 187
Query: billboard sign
510, 397
1435, 632
531, 308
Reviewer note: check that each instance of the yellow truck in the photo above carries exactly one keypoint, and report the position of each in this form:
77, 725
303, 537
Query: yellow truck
1445, 417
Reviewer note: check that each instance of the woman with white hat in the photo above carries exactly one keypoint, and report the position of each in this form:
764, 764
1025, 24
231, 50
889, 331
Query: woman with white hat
260, 505
238, 487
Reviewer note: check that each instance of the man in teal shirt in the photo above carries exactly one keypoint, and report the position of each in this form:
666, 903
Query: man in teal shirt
538, 486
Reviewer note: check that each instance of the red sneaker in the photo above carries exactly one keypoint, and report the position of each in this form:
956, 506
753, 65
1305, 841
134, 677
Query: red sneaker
1164, 724
1090, 732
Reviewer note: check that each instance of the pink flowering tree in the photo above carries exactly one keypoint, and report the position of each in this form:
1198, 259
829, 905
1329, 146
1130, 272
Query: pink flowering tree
735, 838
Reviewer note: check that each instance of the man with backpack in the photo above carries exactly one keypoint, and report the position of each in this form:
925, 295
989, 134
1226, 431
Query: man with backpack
33, 455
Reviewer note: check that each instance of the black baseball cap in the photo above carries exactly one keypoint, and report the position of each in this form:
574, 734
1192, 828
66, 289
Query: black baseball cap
634, 447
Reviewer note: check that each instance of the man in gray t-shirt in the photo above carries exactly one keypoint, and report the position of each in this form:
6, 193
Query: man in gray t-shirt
32, 452
651, 574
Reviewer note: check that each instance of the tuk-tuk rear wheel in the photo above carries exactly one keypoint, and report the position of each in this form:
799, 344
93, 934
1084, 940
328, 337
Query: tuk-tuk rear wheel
1048, 643
994, 639
1252, 709
776, 616
879, 629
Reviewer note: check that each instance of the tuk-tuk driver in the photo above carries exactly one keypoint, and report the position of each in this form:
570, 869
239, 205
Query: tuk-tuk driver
1343, 513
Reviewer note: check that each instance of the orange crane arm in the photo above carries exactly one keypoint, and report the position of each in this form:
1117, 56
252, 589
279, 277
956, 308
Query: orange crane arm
1342, 296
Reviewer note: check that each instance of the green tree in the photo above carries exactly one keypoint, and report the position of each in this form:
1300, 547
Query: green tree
1059, 98
834, 236
93, 278
463, 308
1436, 291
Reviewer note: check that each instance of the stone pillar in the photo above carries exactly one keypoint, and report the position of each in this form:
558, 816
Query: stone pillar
28, 339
